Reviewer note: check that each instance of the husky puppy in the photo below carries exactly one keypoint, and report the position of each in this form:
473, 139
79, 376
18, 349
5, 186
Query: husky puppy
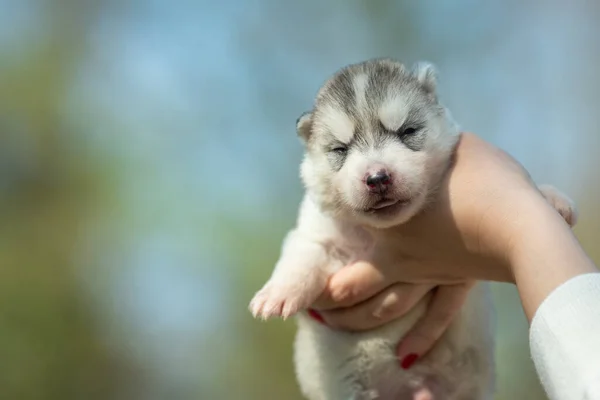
378, 143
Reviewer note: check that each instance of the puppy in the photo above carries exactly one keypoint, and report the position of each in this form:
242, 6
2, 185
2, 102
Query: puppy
378, 143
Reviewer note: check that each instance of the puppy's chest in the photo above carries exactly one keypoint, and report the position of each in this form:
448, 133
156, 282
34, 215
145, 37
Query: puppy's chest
350, 243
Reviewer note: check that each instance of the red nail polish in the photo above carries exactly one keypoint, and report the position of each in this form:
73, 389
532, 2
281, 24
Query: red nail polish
409, 360
316, 316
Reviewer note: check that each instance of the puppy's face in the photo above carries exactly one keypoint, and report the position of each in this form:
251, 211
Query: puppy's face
377, 142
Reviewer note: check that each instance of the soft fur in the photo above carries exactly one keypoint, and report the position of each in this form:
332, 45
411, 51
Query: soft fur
375, 119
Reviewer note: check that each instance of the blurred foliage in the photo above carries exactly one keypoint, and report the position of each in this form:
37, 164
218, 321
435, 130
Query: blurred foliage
126, 265
50, 347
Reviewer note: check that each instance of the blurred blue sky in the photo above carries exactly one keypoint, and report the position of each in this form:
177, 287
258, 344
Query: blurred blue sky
195, 101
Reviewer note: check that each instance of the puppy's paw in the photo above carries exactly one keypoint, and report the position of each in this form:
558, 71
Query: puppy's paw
281, 300
561, 203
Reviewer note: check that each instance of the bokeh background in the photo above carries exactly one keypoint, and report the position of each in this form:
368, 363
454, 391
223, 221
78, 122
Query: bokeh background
149, 170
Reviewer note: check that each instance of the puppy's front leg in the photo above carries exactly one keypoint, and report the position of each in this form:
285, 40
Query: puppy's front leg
298, 279
561, 203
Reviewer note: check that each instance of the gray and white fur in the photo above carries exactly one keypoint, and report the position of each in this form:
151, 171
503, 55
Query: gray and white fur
378, 142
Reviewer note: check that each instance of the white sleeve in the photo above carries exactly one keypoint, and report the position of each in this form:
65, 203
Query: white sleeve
565, 340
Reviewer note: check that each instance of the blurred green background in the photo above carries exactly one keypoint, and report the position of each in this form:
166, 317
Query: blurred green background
149, 170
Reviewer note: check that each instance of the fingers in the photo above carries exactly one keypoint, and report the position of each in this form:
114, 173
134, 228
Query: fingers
445, 305
391, 303
353, 284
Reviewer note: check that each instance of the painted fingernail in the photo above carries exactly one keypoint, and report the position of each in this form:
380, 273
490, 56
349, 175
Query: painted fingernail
409, 360
316, 316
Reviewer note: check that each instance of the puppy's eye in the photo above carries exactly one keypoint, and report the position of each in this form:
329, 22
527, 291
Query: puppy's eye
407, 131
341, 150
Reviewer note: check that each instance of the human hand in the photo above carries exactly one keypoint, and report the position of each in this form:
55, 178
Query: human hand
394, 302
469, 232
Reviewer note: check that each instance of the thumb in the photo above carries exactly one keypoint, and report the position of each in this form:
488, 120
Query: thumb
353, 284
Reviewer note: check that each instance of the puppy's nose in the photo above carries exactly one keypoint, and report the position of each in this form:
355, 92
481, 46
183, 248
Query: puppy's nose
378, 182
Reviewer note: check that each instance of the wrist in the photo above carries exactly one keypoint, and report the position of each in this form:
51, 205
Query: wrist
504, 233
527, 233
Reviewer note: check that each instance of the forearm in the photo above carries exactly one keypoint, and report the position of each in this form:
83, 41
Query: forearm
545, 254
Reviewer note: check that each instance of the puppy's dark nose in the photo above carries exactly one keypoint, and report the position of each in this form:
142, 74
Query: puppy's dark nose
378, 182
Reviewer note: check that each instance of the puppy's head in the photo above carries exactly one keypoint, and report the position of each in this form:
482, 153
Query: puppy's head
377, 142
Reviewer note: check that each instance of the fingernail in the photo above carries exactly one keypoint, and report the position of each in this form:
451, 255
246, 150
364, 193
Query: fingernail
316, 316
409, 360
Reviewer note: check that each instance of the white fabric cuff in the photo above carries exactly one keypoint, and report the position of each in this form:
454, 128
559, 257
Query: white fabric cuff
565, 340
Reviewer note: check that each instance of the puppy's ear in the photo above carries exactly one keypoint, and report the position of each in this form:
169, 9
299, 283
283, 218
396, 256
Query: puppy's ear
426, 73
304, 126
